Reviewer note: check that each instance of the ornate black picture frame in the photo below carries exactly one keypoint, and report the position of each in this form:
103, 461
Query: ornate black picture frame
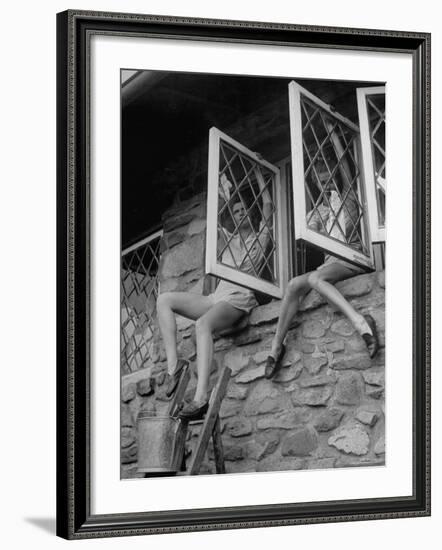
74, 517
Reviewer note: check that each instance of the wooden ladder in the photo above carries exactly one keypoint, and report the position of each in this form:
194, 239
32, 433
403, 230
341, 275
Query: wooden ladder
210, 424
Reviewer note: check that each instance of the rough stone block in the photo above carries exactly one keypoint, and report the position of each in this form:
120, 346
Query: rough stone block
337, 345
183, 257
127, 437
356, 286
183, 323
307, 347
290, 387
172, 223
311, 301
315, 364
128, 392
300, 443
313, 329
239, 427
196, 226
356, 344
283, 421
186, 349
314, 397
318, 381
374, 392
292, 356
160, 378
265, 406
237, 392
175, 237
367, 417
260, 357
350, 440
345, 361
267, 313
379, 447
126, 417
374, 378
145, 387
236, 360
233, 453
350, 389
343, 327
129, 455
257, 450
229, 407
223, 344
288, 374
250, 337
251, 375
328, 420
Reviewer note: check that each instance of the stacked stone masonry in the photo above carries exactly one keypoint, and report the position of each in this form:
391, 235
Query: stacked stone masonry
325, 407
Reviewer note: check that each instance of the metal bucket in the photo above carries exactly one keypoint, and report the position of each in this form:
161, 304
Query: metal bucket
160, 443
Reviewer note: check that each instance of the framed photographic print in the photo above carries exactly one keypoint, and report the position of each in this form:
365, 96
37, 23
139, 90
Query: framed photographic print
243, 302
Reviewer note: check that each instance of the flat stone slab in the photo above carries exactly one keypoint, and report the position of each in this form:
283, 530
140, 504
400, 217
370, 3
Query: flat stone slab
350, 440
379, 447
301, 443
284, 421
367, 417
239, 427
350, 388
313, 397
328, 420
374, 378
250, 375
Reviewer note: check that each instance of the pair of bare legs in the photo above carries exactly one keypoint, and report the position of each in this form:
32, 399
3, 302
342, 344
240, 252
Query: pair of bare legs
209, 318
323, 281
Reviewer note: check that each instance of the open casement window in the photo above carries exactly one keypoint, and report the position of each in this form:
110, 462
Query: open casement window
371, 108
244, 218
328, 195
139, 293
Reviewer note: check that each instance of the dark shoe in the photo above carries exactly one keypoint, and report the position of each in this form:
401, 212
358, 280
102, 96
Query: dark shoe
193, 411
272, 364
371, 340
173, 379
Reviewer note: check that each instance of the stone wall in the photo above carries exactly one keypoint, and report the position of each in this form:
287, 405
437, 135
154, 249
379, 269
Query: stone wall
324, 409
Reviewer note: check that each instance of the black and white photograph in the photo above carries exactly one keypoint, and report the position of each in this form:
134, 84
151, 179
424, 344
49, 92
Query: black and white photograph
253, 250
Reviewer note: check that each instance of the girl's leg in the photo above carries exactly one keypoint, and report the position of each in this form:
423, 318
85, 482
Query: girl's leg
296, 289
186, 304
323, 281
219, 317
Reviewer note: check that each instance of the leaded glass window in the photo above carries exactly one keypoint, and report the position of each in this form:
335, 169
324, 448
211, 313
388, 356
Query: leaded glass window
371, 108
244, 223
139, 292
328, 196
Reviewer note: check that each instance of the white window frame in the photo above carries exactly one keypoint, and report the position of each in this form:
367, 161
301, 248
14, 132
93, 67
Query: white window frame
142, 242
377, 230
302, 231
213, 266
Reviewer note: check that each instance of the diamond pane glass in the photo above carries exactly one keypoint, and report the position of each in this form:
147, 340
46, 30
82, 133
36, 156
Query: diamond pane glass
139, 292
331, 177
376, 121
246, 215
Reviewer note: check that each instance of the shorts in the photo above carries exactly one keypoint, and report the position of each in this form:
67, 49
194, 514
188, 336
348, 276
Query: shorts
234, 295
